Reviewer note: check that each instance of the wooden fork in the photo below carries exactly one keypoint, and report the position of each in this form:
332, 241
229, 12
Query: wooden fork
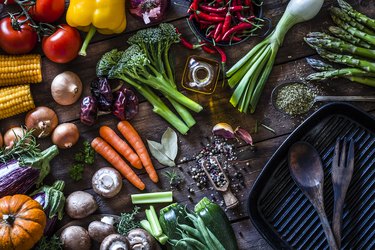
342, 172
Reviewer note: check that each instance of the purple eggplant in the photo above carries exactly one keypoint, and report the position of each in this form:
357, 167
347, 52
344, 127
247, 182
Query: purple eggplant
102, 93
89, 111
151, 11
125, 106
17, 178
52, 200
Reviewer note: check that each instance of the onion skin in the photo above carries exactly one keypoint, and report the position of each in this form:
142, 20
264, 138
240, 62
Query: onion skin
11, 136
66, 88
1, 140
43, 120
65, 135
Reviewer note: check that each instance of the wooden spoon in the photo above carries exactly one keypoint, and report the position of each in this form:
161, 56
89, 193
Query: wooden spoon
307, 171
230, 199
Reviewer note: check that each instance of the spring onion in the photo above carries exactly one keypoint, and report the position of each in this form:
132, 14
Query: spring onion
249, 75
150, 198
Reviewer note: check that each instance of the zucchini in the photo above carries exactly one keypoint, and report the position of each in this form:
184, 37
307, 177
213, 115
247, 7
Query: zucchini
217, 222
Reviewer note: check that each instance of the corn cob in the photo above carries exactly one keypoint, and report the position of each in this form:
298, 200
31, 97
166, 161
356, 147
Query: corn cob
15, 100
16, 70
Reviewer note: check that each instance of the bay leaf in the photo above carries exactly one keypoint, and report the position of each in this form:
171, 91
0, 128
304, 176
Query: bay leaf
157, 151
169, 142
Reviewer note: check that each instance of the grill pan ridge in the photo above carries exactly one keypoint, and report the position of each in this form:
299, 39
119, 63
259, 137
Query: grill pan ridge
285, 217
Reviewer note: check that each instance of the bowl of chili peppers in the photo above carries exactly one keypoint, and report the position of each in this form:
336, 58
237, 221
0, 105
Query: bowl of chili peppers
225, 22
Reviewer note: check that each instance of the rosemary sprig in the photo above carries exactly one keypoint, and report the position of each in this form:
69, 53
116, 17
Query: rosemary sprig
24, 147
174, 178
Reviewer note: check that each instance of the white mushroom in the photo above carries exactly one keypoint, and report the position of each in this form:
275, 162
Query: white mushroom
115, 242
140, 239
75, 237
98, 230
107, 182
80, 204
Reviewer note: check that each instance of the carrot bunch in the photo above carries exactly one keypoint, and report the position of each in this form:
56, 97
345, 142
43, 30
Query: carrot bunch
109, 145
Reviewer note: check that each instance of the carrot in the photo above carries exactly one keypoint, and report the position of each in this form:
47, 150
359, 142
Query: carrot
120, 145
108, 153
132, 136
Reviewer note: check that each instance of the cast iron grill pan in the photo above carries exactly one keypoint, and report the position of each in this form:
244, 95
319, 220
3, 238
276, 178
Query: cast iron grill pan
285, 217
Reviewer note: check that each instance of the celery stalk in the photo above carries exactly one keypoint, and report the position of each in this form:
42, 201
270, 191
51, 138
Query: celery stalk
152, 217
150, 198
146, 226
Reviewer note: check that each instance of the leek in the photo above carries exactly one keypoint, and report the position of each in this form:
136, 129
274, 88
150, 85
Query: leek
249, 75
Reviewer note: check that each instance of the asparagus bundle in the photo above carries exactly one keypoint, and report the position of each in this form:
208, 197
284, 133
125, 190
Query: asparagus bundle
352, 44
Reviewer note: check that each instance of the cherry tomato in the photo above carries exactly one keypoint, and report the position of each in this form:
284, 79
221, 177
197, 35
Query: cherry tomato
63, 45
47, 11
14, 41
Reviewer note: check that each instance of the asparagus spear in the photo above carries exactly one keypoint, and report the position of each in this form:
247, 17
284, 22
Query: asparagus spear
357, 15
347, 60
328, 72
324, 41
342, 34
339, 13
355, 32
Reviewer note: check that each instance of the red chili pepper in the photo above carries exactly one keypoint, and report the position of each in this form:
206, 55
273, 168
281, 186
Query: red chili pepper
227, 21
237, 28
223, 57
210, 9
194, 6
218, 30
188, 44
208, 49
238, 8
208, 17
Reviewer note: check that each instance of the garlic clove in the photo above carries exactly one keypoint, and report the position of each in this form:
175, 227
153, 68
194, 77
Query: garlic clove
244, 135
224, 130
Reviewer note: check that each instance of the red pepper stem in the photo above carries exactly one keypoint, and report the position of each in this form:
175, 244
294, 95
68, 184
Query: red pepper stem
88, 38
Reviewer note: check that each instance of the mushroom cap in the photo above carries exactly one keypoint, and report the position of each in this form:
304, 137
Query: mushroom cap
99, 230
141, 239
115, 242
107, 182
80, 204
75, 237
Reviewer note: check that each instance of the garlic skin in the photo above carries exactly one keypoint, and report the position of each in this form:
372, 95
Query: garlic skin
107, 182
224, 130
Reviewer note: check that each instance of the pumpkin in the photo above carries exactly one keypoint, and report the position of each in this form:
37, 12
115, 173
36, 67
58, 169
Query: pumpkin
22, 221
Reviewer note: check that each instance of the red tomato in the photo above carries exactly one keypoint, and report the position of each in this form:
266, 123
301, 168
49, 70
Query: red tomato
47, 11
14, 41
63, 45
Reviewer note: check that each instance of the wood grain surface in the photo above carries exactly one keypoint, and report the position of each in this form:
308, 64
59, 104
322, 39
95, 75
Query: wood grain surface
290, 66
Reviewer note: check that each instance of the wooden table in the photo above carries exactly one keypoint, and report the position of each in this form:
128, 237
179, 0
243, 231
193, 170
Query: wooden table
290, 66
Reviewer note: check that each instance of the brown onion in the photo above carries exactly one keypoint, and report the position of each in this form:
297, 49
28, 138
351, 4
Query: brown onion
65, 135
1, 140
43, 120
66, 88
12, 136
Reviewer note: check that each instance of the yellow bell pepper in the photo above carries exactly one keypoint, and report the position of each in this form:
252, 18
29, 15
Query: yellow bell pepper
105, 16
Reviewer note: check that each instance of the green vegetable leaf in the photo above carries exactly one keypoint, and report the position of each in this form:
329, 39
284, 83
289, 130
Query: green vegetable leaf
169, 143
52, 243
158, 152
